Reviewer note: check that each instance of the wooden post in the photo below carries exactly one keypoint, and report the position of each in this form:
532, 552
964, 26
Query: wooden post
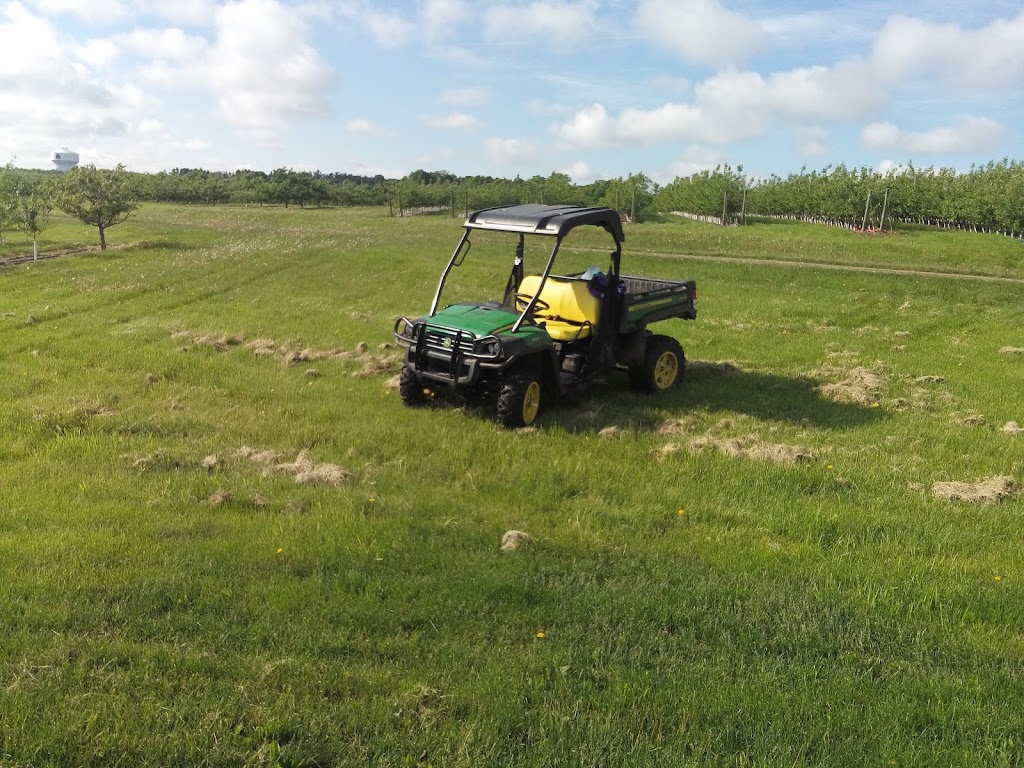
864, 226
467, 202
452, 203
391, 207
725, 206
885, 204
743, 209
401, 212
632, 207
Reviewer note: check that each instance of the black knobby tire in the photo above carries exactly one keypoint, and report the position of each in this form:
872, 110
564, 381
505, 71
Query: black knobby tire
410, 389
663, 367
519, 400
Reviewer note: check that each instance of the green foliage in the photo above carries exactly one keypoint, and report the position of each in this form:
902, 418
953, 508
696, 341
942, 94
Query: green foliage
985, 199
25, 200
708, 193
98, 197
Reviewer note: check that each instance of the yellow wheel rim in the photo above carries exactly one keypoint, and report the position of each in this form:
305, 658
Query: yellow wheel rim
666, 370
531, 403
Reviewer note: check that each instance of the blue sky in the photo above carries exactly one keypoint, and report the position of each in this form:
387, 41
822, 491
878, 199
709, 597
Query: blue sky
592, 88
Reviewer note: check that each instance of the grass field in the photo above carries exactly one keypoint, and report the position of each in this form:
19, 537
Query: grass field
224, 541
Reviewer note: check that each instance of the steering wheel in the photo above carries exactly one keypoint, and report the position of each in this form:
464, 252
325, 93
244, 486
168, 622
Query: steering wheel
540, 306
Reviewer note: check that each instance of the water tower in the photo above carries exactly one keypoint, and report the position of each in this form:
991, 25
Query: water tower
65, 160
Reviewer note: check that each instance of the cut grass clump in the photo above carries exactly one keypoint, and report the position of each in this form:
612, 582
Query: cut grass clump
989, 490
304, 470
861, 386
752, 448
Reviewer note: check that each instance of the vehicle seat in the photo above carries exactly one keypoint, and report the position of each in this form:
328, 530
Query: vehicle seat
573, 311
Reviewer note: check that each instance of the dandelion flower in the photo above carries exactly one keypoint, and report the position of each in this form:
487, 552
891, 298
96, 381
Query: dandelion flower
680, 512
998, 578
280, 550
541, 634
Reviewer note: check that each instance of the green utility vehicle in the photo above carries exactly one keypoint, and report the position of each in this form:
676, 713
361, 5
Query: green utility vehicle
551, 334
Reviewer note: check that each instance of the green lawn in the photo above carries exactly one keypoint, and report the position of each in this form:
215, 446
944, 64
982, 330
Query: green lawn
751, 570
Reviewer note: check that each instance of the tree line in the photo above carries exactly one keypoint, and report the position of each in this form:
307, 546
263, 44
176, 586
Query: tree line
988, 198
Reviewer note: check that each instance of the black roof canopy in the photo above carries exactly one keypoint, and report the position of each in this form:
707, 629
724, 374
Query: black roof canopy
552, 220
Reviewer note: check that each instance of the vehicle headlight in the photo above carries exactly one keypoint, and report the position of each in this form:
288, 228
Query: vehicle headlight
488, 347
404, 328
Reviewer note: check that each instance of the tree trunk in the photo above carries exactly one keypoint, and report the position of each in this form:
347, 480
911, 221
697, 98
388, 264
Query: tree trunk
103, 237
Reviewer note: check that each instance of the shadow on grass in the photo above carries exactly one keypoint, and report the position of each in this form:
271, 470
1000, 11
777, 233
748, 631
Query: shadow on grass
708, 387
723, 387
713, 387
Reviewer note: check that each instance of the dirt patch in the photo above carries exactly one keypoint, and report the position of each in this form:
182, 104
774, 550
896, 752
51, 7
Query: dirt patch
1012, 351
861, 386
752, 448
989, 490
1012, 428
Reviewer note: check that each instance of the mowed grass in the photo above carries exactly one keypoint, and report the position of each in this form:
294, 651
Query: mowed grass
746, 571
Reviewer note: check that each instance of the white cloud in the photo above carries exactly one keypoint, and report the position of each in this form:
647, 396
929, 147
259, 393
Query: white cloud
988, 58
51, 97
693, 159
97, 53
700, 31
968, 135
464, 97
361, 128
440, 18
457, 120
510, 151
195, 13
95, 12
560, 23
389, 29
263, 71
733, 106
812, 140
579, 172
167, 45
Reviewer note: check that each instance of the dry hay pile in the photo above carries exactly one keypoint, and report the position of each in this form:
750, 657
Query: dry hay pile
1012, 351
372, 365
291, 356
861, 386
677, 426
216, 342
1012, 428
513, 540
989, 490
751, 447
610, 433
303, 469
971, 420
